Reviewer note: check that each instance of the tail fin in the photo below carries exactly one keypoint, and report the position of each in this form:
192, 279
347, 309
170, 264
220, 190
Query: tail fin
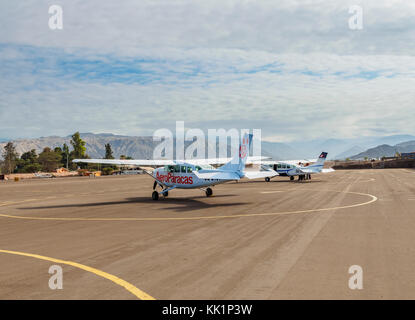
322, 158
238, 162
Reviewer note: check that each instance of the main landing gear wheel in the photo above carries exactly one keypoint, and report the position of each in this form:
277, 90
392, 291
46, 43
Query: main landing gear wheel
209, 192
267, 179
165, 194
155, 195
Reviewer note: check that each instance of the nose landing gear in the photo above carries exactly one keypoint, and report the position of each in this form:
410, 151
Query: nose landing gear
209, 192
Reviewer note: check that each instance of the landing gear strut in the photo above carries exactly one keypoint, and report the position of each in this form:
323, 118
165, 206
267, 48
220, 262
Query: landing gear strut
209, 192
302, 177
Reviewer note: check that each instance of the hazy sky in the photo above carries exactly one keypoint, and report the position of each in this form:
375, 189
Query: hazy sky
291, 68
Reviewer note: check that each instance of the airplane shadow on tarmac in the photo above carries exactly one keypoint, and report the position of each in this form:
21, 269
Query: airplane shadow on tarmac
180, 204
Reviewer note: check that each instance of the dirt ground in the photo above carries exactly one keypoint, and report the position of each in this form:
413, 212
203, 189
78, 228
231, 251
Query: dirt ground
250, 240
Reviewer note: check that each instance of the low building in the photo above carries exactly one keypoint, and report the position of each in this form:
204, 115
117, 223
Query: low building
408, 155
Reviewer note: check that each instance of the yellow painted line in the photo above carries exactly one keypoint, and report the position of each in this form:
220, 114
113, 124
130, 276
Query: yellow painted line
266, 192
373, 199
7, 203
348, 182
126, 285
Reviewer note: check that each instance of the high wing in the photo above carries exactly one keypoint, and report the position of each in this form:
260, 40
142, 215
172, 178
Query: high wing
148, 163
218, 161
293, 162
296, 162
260, 174
159, 163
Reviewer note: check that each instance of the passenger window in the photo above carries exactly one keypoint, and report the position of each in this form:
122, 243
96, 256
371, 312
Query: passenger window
183, 169
189, 169
176, 168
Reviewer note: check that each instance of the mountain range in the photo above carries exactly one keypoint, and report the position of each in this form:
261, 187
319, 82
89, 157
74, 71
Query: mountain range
142, 147
386, 150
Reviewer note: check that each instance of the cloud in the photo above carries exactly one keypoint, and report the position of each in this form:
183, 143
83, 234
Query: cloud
292, 68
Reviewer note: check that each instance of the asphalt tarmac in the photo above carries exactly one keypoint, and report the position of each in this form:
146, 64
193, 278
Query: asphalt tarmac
250, 240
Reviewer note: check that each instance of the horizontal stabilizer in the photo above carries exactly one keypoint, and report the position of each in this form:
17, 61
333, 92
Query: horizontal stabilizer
219, 175
316, 170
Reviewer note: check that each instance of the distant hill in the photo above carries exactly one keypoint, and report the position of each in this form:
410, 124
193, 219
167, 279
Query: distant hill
341, 148
349, 153
278, 151
386, 150
135, 147
142, 147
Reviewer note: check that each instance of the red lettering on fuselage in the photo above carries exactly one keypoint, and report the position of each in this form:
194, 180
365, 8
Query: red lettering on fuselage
170, 178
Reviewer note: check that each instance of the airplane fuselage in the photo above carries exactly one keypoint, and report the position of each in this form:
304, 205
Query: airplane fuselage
182, 177
290, 170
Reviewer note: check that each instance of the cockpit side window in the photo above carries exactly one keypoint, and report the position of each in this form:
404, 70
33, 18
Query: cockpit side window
197, 168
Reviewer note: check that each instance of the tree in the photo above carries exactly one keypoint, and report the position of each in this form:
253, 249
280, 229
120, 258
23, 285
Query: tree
65, 156
49, 160
78, 145
28, 162
108, 152
79, 149
10, 157
30, 156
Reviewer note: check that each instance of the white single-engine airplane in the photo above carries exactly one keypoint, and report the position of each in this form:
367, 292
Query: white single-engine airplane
195, 173
301, 168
